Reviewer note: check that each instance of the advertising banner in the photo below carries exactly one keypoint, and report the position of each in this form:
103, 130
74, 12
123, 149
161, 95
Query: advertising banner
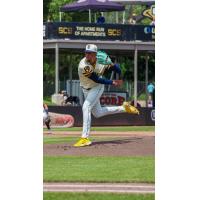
146, 117
145, 32
85, 31
113, 98
92, 31
45, 33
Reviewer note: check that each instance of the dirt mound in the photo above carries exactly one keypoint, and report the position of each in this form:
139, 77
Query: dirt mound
119, 146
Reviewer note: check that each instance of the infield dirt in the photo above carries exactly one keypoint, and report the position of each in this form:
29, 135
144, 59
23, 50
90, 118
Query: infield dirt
112, 144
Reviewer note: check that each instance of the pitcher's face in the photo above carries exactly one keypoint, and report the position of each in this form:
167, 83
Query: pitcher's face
91, 57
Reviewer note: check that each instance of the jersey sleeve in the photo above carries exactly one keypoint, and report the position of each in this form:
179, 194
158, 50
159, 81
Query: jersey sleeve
87, 71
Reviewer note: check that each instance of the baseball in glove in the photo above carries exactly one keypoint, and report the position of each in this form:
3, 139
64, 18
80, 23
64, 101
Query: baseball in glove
103, 58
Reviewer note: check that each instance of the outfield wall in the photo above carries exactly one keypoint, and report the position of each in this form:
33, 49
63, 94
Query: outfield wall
146, 117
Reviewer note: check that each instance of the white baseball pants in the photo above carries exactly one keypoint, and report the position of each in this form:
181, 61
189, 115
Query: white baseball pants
45, 115
92, 105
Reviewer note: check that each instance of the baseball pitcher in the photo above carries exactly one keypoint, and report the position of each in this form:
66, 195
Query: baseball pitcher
90, 71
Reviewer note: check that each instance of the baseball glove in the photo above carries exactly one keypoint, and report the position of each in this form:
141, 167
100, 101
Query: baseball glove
103, 58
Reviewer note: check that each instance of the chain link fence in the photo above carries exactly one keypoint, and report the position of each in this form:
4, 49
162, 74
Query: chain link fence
73, 89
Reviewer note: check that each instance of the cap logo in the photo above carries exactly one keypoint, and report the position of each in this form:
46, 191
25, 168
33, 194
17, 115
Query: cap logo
91, 47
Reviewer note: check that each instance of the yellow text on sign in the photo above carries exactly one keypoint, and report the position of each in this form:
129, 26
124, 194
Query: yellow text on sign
114, 32
65, 30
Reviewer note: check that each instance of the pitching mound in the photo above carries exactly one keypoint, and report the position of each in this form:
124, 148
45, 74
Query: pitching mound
135, 145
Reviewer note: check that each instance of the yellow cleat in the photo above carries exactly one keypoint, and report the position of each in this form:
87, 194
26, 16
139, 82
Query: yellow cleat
130, 109
83, 142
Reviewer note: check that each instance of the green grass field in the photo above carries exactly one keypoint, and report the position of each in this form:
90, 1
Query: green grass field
47, 100
58, 139
98, 169
113, 128
72, 139
95, 196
